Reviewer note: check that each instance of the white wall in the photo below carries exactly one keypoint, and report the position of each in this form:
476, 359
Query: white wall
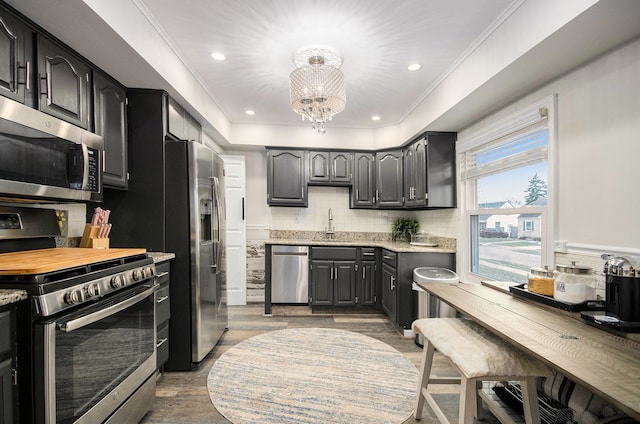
598, 122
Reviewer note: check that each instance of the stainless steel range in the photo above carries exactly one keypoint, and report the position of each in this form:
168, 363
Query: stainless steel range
86, 335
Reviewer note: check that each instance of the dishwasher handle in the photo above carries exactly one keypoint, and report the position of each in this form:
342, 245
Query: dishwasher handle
290, 253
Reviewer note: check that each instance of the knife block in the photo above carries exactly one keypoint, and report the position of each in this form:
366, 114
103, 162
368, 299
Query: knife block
90, 238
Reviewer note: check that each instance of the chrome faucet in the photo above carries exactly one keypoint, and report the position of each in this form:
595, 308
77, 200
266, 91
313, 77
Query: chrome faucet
330, 231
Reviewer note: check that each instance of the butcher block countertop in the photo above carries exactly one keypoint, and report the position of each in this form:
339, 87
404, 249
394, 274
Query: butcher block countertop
46, 260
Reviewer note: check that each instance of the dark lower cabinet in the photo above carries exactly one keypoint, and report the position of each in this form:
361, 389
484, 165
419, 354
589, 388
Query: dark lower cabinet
389, 292
321, 283
333, 283
7, 364
368, 294
399, 300
163, 312
333, 276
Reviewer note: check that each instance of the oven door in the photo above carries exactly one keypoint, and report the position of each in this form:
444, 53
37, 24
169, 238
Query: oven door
95, 358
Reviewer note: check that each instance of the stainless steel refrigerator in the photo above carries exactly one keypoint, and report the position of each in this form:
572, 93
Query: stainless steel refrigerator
194, 231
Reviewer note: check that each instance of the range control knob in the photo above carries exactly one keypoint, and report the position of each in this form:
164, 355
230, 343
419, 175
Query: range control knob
91, 290
137, 275
117, 281
73, 296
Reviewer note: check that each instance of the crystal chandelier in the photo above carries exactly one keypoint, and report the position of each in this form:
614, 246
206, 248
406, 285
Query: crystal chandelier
316, 87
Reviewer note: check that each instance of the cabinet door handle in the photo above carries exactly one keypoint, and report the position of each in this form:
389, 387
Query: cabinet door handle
357, 194
393, 283
27, 73
364, 273
46, 86
162, 274
387, 257
162, 299
331, 274
161, 342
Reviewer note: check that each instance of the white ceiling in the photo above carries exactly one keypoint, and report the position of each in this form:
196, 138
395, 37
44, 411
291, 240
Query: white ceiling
378, 39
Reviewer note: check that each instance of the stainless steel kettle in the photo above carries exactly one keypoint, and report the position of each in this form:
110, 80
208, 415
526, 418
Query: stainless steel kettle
622, 285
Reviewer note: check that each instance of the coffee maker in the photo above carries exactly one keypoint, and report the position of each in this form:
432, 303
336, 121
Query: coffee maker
622, 303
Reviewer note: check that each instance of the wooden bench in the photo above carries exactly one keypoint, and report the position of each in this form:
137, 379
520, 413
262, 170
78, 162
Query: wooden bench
479, 356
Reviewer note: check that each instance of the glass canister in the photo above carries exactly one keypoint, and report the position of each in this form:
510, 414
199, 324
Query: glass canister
541, 281
574, 284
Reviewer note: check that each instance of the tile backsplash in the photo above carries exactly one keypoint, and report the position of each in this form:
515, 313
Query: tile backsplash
316, 216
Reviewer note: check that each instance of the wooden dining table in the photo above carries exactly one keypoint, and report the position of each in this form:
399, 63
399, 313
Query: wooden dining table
606, 363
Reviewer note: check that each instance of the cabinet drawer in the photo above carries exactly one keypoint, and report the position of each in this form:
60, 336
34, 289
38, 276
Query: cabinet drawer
389, 258
368, 253
162, 345
163, 309
333, 253
5, 332
162, 271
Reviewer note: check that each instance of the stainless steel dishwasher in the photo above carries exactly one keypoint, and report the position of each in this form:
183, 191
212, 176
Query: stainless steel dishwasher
290, 274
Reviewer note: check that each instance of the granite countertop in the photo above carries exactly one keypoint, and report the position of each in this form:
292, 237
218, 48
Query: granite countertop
390, 245
161, 256
8, 296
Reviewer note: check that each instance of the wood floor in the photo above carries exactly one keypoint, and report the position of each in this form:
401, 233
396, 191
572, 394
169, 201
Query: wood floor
182, 397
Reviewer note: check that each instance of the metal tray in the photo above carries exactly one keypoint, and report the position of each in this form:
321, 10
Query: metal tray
588, 305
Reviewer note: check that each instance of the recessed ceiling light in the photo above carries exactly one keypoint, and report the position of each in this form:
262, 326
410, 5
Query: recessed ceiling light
375, 118
218, 56
249, 112
414, 67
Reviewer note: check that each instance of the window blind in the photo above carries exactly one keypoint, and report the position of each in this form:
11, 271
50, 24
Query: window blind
506, 154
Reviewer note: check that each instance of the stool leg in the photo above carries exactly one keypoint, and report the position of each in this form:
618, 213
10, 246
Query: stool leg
468, 393
530, 400
479, 412
425, 372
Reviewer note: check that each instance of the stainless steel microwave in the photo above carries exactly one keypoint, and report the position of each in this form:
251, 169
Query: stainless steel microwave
45, 157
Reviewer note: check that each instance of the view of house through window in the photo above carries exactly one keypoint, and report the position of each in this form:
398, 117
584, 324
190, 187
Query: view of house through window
508, 182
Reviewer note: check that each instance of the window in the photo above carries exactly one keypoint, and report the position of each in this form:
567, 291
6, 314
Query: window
506, 192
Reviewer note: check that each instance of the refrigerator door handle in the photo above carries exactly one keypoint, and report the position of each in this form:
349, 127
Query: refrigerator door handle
219, 212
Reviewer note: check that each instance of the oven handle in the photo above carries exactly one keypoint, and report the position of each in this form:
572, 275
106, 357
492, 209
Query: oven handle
77, 323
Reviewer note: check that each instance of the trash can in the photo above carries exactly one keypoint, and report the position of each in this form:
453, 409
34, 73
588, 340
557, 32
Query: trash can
429, 306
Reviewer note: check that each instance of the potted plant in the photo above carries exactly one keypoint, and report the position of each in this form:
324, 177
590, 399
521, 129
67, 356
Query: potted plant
403, 228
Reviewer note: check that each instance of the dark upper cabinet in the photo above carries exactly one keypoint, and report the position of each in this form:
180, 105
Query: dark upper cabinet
330, 168
110, 118
363, 191
414, 163
64, 83
16, 59
429, 171
180, 124
440, 150
287, 178
389, 179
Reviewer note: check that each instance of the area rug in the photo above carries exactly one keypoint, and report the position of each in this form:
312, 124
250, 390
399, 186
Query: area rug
313, 375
